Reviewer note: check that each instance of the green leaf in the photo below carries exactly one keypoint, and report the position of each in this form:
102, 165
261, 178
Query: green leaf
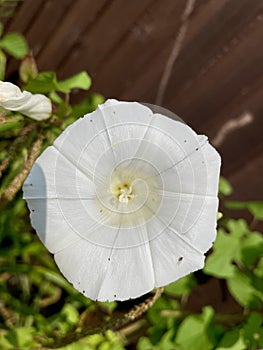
78, 81
232, 340
109, 306
22, 338
145, 344
164, 343
181, 287
2, 65
89, 104
246, 289
15, 45
11, 124
224, 187
251, 248
43, 83
226, 250
154, 313
4, 343
258, 271
193, 331
70, 313
253, 331
255, 208
55, 98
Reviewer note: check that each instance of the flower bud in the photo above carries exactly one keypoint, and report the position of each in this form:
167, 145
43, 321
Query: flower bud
35, 106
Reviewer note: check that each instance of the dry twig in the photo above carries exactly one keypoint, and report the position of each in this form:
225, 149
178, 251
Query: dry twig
17, 182
176, 49
115, 324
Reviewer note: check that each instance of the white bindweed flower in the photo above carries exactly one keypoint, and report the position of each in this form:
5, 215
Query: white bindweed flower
126, 200
35, 106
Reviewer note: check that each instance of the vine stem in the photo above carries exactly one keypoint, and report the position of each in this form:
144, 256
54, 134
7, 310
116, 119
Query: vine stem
115, 324
176, 49
10, 192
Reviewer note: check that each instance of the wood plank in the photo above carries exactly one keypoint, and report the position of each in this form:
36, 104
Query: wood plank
145, 85
247, 100
7, 11
244, 143
28, 12
142, 43
70, 31
247, 181
227, 74
101, 39
47, 23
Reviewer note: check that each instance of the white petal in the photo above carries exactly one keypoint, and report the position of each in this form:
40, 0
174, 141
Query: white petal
8, 90
50, 224
53, 176
107, 274
36, 106
173, 257
203, 233
125, 120
131, 197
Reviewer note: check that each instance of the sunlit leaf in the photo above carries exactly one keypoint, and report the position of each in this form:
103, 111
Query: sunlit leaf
253, 331
256, 208
86, 105
70, 314
226, 249
181, 287
78, 81
11, 124
2, 65
225, 187
246, 289
232, 340
22, 338
14, 44
251, 248
193, 331
44, 82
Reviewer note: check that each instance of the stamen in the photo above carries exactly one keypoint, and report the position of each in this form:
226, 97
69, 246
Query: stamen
126, 194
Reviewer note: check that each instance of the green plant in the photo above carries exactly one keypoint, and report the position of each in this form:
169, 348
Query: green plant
39, 308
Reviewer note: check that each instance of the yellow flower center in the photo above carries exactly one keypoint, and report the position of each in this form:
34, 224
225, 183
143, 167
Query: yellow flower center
124, 193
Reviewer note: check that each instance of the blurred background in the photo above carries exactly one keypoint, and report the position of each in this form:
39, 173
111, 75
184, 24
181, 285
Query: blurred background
216, 83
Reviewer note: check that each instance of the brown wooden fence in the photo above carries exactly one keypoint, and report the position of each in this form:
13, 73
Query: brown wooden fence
216, 84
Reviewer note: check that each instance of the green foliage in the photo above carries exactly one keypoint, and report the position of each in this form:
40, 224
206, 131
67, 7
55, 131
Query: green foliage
77, 81
224, 187
232, 340
181, 287
40, 309
201, 336
14, 44
242, 250
46, 82
255, 208
2, 65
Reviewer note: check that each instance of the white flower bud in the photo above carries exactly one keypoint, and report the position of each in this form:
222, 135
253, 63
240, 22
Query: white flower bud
36, 106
